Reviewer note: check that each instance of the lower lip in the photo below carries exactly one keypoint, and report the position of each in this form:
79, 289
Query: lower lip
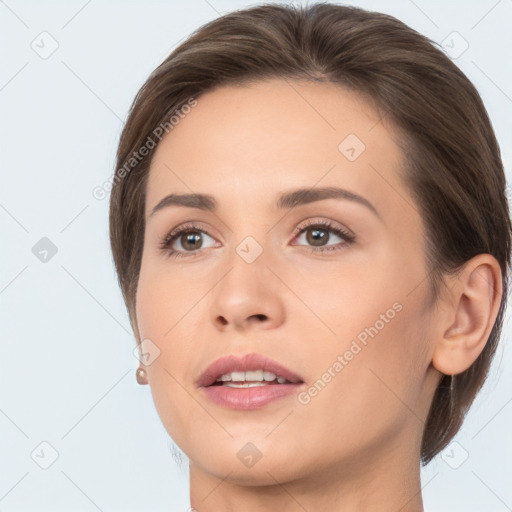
249, 398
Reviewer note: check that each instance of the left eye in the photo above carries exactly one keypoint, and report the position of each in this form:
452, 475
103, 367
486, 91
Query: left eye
318, 233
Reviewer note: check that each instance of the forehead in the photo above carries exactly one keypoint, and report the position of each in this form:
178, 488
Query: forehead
243, 142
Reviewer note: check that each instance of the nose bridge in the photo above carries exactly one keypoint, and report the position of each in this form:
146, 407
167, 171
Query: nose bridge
255, 250
247, 289
248, 265
249, 234
252, 249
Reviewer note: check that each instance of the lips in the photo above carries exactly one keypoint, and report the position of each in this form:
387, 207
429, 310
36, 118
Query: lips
246, 362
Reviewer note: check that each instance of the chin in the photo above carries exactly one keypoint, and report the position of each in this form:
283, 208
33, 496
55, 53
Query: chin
262, 473
247, 463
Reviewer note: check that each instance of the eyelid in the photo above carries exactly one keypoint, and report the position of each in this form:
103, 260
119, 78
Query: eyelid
191, 225
322, 221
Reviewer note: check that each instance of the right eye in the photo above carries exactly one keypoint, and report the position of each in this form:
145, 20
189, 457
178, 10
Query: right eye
189, 236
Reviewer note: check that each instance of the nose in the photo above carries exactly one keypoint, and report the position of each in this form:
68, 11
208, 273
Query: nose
247, 297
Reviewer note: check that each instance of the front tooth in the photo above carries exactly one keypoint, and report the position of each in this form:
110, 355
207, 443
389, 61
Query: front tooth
269, 376
254, 375
238, 376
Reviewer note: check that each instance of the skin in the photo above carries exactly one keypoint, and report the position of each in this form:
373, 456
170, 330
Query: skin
356, 444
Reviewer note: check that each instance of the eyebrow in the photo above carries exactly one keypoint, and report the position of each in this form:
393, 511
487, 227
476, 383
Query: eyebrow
287, 200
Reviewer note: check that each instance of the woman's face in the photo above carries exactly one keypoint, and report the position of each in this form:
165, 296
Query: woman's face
349, 316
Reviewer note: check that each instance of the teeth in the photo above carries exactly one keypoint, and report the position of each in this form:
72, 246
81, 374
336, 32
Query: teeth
269, 376
244, 384
238, 376
253, 376
256, 375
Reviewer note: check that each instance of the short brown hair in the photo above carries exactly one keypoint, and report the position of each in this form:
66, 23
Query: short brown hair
454, 169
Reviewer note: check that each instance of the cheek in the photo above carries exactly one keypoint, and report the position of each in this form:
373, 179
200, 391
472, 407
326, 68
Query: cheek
378, 362
167, 307
163, 299
378, 352
161, 314
346, 300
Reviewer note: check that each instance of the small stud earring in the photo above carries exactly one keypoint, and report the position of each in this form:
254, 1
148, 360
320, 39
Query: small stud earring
140, 374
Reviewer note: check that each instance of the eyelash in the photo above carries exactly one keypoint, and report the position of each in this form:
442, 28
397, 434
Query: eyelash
325, 224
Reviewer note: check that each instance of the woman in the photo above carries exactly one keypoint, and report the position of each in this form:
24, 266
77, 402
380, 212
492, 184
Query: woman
312, 238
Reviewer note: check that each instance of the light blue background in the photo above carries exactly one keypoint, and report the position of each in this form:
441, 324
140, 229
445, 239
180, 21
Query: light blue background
66, 364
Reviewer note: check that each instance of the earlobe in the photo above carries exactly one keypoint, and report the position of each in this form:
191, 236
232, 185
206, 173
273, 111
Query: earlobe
475, 298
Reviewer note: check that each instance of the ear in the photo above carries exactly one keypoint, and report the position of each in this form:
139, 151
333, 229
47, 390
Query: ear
473, 304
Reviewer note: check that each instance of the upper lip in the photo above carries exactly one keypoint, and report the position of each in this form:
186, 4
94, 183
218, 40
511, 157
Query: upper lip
247, 362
